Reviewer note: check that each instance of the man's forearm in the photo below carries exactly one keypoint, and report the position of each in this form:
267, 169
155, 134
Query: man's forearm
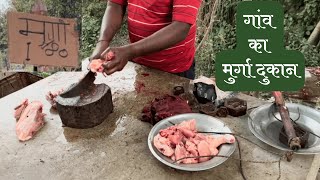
163, 39
111, 21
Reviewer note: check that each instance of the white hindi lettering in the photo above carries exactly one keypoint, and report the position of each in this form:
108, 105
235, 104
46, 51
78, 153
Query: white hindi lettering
227, 68
257, 20
249, 66
246, 69
266, 19
272, 69
263, 70
256, 45
292, 69
282, 70
230, 80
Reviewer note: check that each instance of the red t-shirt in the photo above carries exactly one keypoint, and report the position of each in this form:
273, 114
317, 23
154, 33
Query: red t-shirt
145, 17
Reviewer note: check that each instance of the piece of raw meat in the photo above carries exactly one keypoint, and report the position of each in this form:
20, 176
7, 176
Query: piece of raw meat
204, 150
215, 142
168, 131
96, 65
19, 109
109, 56
186, 132
191, 124
164, 107
51, 97
181, 152
175, 138
30, 120
181, 141
199, 137
192, 148
163, 145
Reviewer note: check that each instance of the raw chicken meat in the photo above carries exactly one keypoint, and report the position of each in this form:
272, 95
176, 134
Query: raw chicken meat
109, 56
51, 97
182, 140
96, 65
181, 152
19, 109
204, 150
214, 143
163, 145
29, 119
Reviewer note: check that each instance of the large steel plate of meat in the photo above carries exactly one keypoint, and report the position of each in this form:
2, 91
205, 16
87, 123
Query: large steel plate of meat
204, 123
85, 105
265, 125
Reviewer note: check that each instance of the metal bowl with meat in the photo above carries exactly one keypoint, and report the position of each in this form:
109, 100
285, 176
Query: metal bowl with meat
182, 142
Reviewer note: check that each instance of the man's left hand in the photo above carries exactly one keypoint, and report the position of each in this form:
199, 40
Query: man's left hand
121, 56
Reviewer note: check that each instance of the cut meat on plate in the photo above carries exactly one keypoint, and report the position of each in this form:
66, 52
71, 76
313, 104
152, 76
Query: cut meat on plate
183, 144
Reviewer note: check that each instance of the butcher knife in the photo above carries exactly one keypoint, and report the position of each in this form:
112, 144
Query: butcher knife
85, 83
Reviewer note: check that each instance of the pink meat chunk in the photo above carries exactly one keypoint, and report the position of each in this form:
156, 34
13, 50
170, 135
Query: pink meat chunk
214, 143
181, 141
19, 109
51, 97
190, 125
192, 148
96, 65
180, 152
190, 160
169, 131
31, 120
110, 55
175, 138
186, 132
204, 150
163, 145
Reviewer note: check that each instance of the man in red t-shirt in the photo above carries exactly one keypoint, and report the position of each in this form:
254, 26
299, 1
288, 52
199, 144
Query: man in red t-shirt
162, 35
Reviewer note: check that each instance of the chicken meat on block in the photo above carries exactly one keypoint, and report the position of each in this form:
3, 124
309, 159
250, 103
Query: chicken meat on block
96, 65
50, 96
30, 119
181, 141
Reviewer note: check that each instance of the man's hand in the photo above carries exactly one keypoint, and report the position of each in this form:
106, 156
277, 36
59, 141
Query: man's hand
117, 60
111, 23
100, 47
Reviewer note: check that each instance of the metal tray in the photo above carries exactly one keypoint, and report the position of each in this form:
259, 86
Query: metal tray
204, 123
266, 127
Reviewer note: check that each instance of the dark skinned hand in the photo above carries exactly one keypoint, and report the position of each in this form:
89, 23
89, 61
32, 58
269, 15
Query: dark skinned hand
116, 63
96, 54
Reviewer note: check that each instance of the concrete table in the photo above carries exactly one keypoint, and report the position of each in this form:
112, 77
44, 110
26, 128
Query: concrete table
117, 149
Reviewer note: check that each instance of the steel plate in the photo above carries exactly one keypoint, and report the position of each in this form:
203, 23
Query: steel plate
204, 123
266, 127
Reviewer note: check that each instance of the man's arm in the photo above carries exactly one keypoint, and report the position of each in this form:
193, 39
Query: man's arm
111, 23
162, 39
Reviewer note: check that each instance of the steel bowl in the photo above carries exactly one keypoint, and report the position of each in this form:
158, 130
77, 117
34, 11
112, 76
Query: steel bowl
204, 123
266, 126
